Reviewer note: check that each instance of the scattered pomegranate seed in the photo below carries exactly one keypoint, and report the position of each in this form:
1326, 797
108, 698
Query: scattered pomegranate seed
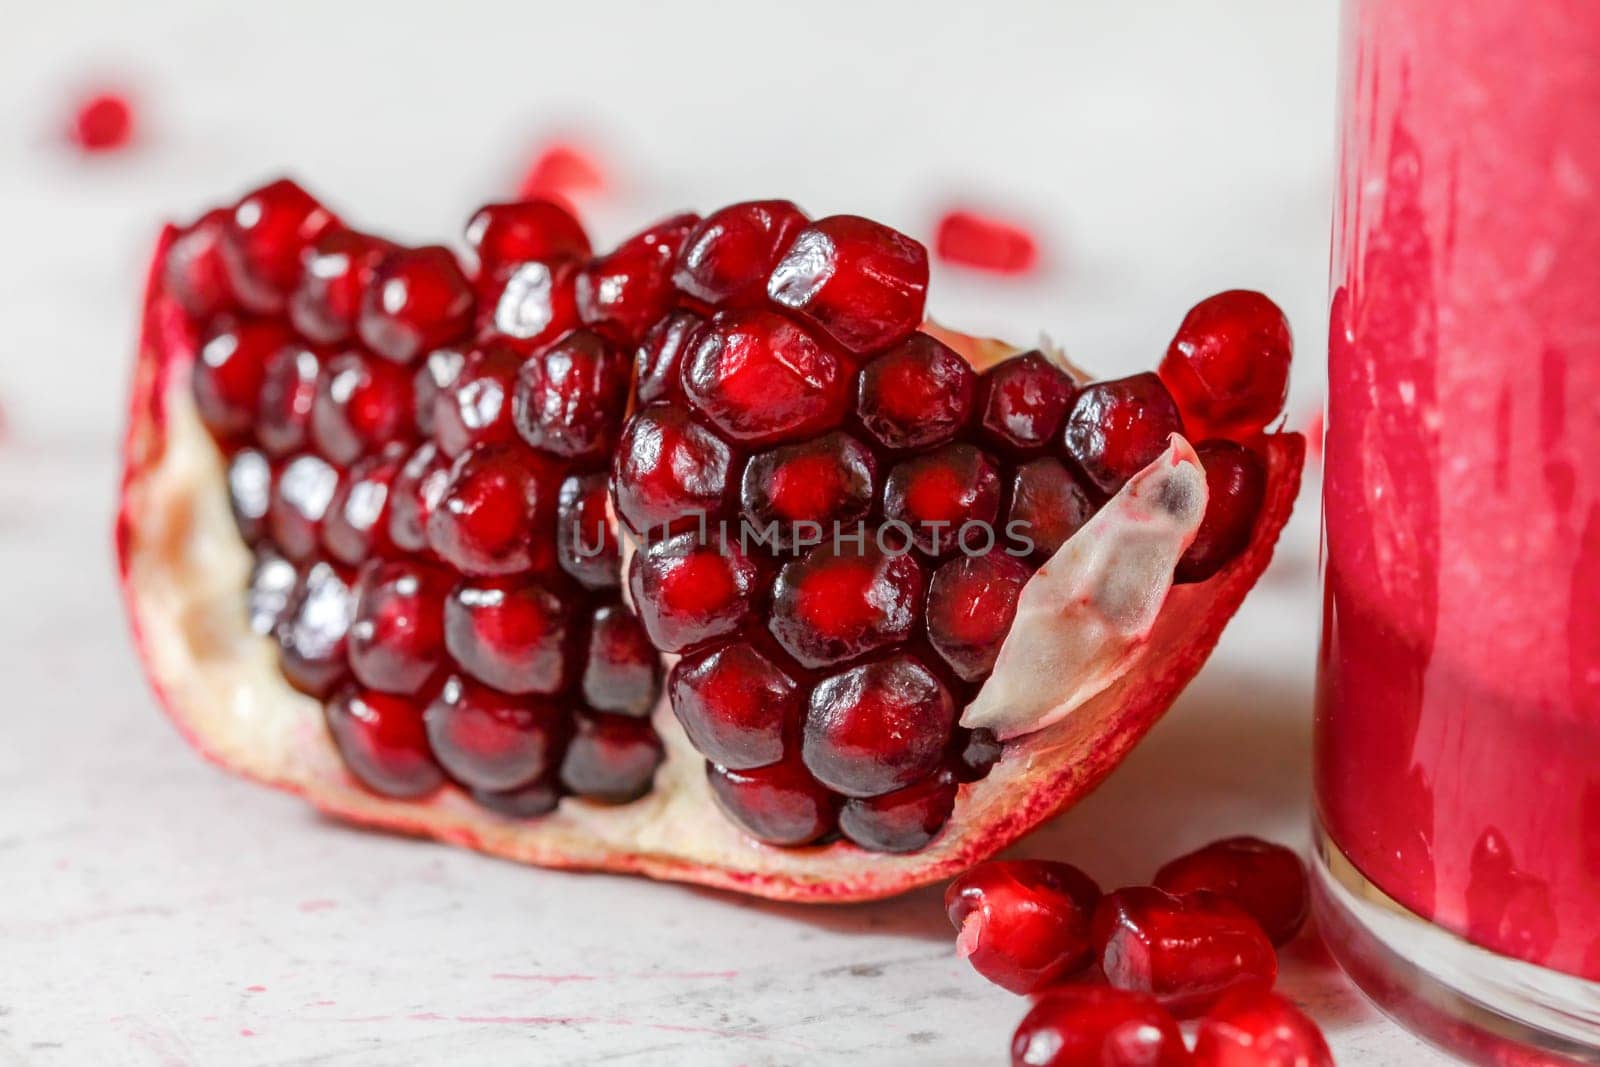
688, 592
611, 758
570, 398
418, 300
971, 602
313, 630
511, 633
1228, 365
561, 169
1022, 402
1116, 428
362, 403
491, 741
985, 242
734, 703
338, 269
1236, 484
264, 239
103, 122
1254, 1028
862, 282
383, 743
837, 603
1264, 879
876, 728
1023, 924
760, 378
632, 287
904, 820
506, 235
780, 804
915, 395
728, 257
1093, 1026
496, 513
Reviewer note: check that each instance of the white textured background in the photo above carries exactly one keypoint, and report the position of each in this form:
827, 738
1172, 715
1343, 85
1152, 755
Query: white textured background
153, 911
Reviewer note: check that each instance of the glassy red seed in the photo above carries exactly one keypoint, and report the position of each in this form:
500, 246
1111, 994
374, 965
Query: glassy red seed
780, 804
669, 470
272, 584
436, 374
972, 239
1023, 924
727, 258
1095, 1026
418, 299
1266, 880
972, 601
917, 394
1047, 506
381, 739
826, 480
362, 403
1228, 365
249, 493
658, 365
903, 821
313, 630
504, 235
938, 494
357, 523
193, 272
632, 287
977, 754
561, 169
528, 802
490, 740
496, 514
1254, 1028
587, 546
229, 372
301, 495
475, 408
862, 282
1116, 428
621, 672
1022, 402
761, 378
338, 268
1236, 486
611, 758
288, 389
533, 304
416, 491
512, 633
264, 239
103, 123
569, 398
878, 727
735, 702
688, 592
396, 642
838, 602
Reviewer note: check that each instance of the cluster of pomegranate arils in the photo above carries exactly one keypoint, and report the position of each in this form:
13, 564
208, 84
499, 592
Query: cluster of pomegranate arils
1113, 973
426, 459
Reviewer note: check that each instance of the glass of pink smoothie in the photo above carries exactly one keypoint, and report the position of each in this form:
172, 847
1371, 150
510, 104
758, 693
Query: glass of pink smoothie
1458, 722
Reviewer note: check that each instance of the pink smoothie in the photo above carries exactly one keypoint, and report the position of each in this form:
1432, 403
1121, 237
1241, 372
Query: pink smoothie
1458, 727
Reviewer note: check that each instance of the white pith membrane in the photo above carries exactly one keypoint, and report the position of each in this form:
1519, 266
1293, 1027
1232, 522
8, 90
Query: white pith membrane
185, 574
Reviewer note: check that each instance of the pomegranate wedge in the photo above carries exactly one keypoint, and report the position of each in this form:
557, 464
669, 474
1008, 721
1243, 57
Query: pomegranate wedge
386, 521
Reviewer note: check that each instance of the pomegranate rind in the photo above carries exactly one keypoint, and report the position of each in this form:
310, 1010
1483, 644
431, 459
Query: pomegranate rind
183, 575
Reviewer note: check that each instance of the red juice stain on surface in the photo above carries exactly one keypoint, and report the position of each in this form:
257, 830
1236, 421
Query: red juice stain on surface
102, 122
985, 243
560, 169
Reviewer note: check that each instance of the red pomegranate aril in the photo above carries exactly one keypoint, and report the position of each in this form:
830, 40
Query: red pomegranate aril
288, 390
621, 673
727, 258
938, 494
735, 702
534, 304
1254, 1028
396, 641
263, 241
529, 802
313, 630
490, 740
1264, 879
102, 123
632, 287
978, 752
587, 546
504, 236
475, 408
495, 514
1096, 1026
825, 481
514, 634
193, 271
860, 281
229, 372
836, 603
1228, 365
916, 395
569, 398
670, 470
658, 365
611, 758
418, 299
761, 378
382, 742
272, 584
780, 804
984, 242
878, 727
362, 403
1023, 924
1236, 487
416, 492
562, 168
688, 591
250, 493
301, 496
903, 821
1116, 428
1022, 402
1047, 506
435, 376
338, 268
356, 526
1186, 951
972, 601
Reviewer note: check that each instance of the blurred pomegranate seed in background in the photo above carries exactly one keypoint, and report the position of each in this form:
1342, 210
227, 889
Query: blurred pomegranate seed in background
102, 122
984, 242
559, 170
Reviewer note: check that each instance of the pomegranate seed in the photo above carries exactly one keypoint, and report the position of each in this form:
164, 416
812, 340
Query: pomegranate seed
876, 728
194, 273
727, 258
491, 741
1264, 879
272, 584
506, 235
230, 370
1254, 1028
397, 639
103, 123
860, 281
915, 395
300, 500
475, 408
1117, 428
249, 493
659, 363
495, 514
338, 268
356, 526
416, 492
971, 602
1022, 402
621, 673
383, 743
612, 758
362, 403
1186, 951
1048, 505
530, 801
436, 375
632, 287
1023, 924
1228, 365
513, 634
419, 299
264, 239
735, 703
836, 603
1236, 484
288, 389
826, 481
586, 538
780, 804
562, 168
570, 398
534, 304
984, 242
1093, 1026
761, 378
902, 821
688, 592
669, 470
980, 751
312, 633
937, 494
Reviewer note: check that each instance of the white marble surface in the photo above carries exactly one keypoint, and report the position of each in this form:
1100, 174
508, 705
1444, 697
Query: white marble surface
154, 911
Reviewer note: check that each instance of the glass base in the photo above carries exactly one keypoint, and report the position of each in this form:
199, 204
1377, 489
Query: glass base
1471, 1002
